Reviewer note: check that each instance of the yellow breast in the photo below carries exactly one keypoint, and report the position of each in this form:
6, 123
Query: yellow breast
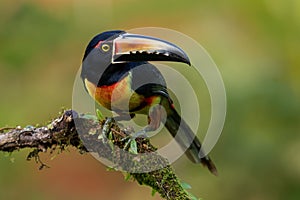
118, 96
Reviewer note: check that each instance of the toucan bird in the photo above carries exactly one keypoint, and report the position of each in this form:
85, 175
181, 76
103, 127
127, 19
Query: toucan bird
116, 72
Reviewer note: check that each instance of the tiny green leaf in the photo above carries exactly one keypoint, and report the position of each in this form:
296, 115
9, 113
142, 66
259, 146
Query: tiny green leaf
99, 114
127, 177
185, 185
110, 135
110, 169
133, 147
111, 144
153, 192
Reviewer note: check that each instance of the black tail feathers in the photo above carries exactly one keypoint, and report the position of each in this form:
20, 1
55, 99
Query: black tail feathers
187, 140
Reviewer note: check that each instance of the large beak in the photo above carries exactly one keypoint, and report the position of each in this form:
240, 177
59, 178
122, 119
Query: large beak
133, 47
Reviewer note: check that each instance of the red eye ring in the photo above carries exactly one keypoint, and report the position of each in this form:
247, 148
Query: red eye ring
98, 44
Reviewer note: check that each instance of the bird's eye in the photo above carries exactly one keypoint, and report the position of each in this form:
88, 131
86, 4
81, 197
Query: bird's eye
105, 47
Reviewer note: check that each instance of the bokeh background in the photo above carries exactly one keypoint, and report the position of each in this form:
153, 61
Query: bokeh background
254, 43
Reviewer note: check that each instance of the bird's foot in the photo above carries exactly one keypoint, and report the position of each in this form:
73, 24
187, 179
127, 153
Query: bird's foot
106, 129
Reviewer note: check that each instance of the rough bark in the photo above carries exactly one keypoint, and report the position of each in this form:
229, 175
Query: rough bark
104, 136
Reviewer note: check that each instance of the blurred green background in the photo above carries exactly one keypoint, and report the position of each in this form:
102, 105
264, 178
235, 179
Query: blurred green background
256, 45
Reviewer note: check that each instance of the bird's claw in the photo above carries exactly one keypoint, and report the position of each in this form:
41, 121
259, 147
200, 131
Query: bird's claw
106, 129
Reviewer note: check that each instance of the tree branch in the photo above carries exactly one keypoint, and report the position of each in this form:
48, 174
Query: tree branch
71, 129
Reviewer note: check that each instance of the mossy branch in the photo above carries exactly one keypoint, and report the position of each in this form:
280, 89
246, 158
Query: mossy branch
64, 131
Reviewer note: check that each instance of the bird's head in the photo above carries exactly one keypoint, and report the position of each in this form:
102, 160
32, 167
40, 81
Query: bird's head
117, 47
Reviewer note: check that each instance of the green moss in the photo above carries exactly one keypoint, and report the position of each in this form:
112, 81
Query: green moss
62, 134
163, 181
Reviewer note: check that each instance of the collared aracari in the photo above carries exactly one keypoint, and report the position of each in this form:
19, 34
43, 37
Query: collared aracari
117, 74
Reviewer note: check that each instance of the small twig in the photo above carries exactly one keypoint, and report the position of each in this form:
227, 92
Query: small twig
118, 132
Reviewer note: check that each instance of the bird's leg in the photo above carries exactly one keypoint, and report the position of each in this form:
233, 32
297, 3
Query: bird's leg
106, 129
155, 117
154, 120
110, 120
